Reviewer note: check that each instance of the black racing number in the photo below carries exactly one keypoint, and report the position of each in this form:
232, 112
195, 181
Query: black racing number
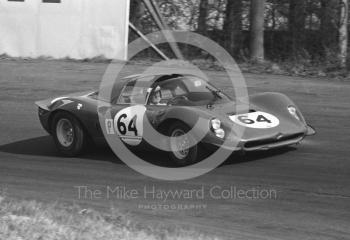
123, 130
132, 125
262, 118
121, 125
245, 120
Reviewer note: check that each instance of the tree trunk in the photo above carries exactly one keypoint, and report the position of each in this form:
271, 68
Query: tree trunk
257, 18
202, 19
136, 12
329, 23
343, 33
233, 26
297, 22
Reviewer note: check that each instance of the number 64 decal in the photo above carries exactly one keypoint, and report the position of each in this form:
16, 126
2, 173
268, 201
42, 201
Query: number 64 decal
128, 124
259, 120
123, 128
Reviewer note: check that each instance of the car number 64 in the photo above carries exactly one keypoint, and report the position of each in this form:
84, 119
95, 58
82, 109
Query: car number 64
128, 124
124, 128
259, 120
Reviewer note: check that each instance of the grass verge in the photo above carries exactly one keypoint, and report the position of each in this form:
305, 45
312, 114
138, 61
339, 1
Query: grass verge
299, 68
30, 220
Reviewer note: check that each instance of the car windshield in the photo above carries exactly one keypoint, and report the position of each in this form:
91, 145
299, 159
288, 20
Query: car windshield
188, 91
132, 94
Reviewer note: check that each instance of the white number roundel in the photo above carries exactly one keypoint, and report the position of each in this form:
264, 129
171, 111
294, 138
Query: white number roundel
128, 124
259, 120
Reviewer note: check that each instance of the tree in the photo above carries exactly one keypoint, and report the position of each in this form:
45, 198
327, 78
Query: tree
137, 11
343, 32
329, 23
257, 11
297, 21
202, 19
233, 26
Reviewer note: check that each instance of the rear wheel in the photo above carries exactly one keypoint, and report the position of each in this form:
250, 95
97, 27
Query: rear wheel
69, 135
180, 141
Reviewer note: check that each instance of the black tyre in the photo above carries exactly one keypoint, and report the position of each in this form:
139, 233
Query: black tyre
69, 135
180, 138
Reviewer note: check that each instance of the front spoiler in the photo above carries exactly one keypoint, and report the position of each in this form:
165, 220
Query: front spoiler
242, 145
263, 147
275, 145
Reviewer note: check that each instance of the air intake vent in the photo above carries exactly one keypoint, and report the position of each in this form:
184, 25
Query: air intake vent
253, 144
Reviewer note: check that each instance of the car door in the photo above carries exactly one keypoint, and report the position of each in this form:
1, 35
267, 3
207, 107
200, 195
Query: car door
128, 112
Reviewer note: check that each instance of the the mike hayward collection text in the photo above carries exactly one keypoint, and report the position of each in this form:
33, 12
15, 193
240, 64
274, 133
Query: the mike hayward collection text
215, 192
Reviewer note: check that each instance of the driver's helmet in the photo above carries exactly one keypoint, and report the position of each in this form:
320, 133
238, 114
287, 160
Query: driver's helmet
156, 96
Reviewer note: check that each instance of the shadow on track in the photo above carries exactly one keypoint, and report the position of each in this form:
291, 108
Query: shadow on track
41, 146
44, 146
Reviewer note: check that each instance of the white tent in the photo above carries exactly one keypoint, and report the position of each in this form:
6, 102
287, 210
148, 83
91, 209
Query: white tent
76, 29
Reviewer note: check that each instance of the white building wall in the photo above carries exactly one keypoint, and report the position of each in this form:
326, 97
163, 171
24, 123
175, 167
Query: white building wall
76, 29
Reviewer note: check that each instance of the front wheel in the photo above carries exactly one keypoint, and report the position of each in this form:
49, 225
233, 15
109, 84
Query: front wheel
180, 141
68, 134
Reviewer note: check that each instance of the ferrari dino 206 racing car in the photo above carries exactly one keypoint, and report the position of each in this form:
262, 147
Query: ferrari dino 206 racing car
172, 104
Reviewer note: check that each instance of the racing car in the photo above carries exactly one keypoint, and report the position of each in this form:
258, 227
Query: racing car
171, 104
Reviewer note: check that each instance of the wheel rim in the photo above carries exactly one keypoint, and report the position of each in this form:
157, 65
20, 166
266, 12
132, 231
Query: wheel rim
180, 144
65, 132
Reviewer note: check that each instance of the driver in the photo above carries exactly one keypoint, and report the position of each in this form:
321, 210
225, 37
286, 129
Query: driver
156, 96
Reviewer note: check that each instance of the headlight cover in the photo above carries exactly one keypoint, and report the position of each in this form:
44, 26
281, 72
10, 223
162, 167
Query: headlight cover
215, 126
294, 112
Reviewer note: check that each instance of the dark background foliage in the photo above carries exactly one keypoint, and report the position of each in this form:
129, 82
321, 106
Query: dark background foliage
294, 31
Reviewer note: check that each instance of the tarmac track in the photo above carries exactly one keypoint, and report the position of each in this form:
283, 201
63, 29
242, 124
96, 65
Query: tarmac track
312, 180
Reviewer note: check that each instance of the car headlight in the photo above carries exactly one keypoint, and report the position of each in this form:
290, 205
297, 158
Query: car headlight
294, 112
215, 124
216, 128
